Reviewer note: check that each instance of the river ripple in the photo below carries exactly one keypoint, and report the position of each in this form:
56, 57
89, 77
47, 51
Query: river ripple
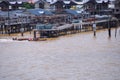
72, 57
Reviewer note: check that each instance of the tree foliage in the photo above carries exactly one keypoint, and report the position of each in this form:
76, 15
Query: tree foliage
28, 5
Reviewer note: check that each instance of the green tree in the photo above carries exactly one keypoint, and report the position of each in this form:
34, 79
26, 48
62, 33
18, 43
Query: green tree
28, 5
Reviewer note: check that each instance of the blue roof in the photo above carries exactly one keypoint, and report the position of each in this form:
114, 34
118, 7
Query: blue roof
39, 12
12, 14
3, 14
73, 12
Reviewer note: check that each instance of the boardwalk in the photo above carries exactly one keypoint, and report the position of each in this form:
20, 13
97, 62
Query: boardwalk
66, 26
75, 27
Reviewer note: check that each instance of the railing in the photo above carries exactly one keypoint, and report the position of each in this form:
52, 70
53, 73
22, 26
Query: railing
17, 21
1, 22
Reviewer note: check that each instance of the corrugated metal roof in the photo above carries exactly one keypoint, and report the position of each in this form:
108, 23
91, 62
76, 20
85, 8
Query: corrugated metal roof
39, 12
73, 12
12, 14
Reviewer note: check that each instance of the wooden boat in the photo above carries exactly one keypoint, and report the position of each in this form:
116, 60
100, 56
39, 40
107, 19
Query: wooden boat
30, 39
21, 39
37, 39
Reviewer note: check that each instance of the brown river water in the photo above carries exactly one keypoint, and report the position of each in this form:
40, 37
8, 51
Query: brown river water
72, 57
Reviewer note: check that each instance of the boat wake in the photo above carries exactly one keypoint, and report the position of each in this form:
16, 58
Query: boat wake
10, 40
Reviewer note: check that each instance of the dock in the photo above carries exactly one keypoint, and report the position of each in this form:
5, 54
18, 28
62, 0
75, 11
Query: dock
71, 28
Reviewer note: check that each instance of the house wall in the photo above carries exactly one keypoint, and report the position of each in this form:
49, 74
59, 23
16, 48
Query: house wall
95, 8
117, 9
42, 4
36, 5
5, 5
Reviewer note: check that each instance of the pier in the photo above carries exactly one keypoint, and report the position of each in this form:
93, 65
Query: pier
71, 28
14, 25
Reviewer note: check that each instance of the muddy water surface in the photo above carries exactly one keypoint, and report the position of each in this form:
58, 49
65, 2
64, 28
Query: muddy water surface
72, 57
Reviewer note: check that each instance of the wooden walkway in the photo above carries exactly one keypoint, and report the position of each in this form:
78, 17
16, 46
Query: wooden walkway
67, 26
71, 28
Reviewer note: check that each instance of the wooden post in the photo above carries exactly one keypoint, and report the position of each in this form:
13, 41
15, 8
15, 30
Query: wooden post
119, 32
22, 31
115, 32
9, 31
2, 28
94, 29
94, 24
81, 26
40, 33
116, 28
5, 30
34, 34
109, 29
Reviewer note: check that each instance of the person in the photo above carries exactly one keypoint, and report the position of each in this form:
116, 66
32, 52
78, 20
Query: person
9, 32
14, 38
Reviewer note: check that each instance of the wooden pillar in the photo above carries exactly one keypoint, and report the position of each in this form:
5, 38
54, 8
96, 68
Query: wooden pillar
9, 30
34, 34
2, 28
5, 29
109, 29
116, 28
40, 33
94, 29
59, 32
79, 28
21, 33
48, 34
